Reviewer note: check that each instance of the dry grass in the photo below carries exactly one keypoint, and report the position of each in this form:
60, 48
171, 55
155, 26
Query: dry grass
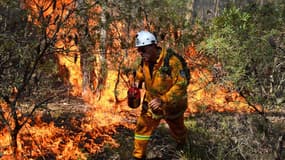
215, 136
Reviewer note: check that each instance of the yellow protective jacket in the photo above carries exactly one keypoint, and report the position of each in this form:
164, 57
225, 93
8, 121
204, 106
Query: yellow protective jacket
170, 88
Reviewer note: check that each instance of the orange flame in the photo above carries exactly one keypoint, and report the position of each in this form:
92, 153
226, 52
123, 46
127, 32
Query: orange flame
205, 95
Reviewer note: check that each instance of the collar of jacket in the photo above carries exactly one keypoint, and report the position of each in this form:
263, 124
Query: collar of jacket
162, 54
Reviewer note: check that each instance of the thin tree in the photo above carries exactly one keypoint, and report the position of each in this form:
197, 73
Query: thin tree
25, 45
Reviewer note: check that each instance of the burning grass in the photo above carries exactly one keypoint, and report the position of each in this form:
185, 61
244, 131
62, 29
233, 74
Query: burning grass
66, 133
72, 134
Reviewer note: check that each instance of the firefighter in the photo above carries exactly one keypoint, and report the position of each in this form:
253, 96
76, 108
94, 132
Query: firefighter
165, 93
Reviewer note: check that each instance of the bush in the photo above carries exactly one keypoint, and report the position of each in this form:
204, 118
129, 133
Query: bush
239, 39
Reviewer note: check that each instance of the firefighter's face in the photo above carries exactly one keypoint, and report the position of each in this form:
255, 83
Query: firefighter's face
148, 53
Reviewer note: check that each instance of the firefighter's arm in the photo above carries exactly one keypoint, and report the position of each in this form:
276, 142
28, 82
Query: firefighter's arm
179, 87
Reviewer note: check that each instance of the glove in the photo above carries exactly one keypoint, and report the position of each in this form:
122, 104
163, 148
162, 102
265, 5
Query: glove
134, 97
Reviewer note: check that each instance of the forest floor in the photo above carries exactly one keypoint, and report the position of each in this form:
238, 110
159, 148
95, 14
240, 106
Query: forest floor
211, 135
161, 145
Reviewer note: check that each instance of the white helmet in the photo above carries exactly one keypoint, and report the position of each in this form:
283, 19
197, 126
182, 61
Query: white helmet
144, 38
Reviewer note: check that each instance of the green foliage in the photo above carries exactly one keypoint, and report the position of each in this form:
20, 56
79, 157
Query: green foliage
15, 53
225, 42
168, 11
226, 136
239, 39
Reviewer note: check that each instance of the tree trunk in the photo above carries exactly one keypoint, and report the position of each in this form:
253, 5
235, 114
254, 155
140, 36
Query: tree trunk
14, 145
85, 72
217, 4
190, 16
84, 59
102, 54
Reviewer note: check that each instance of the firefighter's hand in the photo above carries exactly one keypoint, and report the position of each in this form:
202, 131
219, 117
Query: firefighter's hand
155, 105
